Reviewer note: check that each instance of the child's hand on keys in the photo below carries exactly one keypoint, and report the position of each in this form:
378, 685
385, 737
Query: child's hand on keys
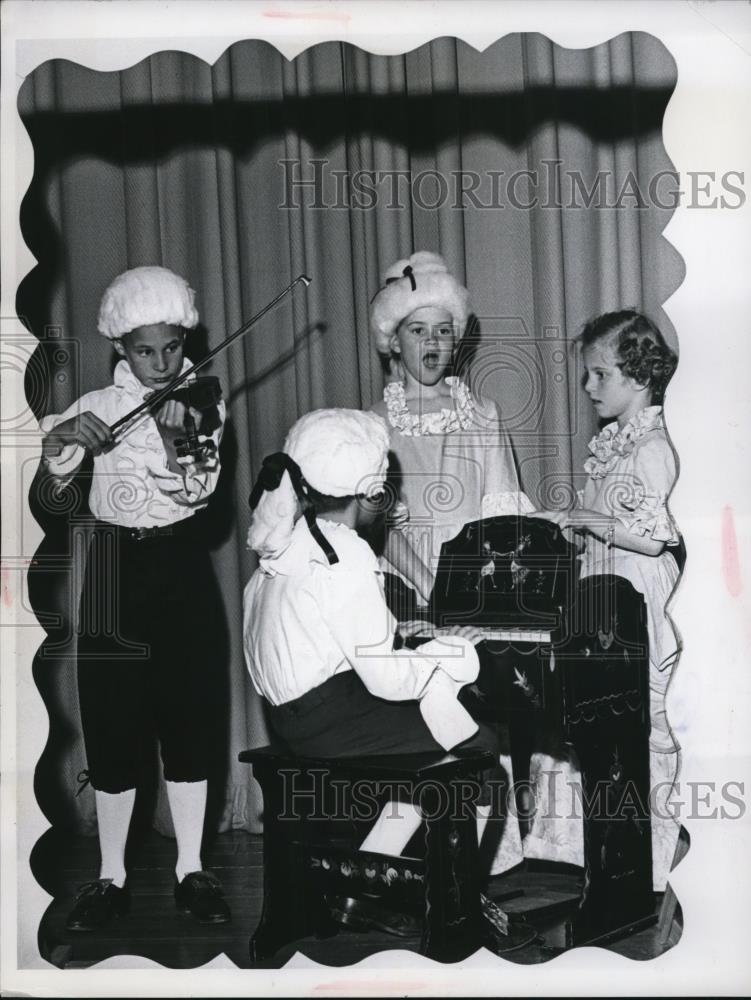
471, 633
86, 430
417, 626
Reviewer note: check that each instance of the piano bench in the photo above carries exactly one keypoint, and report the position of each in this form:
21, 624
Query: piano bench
302, 865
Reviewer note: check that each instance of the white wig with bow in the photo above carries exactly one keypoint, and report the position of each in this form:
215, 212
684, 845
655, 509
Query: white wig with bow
418, 281
337, 452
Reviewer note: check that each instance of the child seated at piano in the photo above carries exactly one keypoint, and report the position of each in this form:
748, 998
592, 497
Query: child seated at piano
319, 638
623, 519
451, 461
149, 606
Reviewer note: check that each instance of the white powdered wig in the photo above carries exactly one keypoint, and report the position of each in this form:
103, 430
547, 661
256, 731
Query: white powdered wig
144, 296
340, 453
420, 280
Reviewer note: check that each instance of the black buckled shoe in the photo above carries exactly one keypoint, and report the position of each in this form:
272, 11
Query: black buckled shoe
96, 904
200, 894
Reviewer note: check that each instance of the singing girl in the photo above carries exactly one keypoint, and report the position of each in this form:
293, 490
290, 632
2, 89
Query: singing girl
452, 461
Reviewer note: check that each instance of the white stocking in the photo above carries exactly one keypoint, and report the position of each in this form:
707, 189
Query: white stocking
483, 815
187, 802
113, 813
393, 829
397, 823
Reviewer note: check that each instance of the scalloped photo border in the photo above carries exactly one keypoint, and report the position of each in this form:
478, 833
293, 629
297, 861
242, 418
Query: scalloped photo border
711, 49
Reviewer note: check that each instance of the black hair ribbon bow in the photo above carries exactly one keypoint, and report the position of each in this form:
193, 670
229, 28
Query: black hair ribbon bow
270, 477
407, 272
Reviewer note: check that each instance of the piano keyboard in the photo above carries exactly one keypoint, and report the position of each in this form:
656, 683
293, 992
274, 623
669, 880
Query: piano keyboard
516, 635
539, 636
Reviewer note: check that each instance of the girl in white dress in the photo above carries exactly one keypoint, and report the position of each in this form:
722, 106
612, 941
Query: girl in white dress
627, 531
450, 460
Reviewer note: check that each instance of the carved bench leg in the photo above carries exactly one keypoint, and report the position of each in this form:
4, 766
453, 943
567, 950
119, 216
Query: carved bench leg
453, 916
292, 907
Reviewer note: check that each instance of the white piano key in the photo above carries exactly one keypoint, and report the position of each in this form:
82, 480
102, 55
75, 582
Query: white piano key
516, 635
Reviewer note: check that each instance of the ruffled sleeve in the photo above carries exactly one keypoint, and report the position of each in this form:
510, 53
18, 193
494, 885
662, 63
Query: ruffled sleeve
643, 506
64, 466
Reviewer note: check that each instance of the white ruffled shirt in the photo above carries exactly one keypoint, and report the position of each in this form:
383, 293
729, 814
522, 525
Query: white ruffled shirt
132, 485
304, 621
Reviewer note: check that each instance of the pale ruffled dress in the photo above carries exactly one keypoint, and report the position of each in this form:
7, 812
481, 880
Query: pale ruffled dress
631, 472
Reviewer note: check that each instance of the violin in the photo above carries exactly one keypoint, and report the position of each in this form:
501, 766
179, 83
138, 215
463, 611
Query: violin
203, 394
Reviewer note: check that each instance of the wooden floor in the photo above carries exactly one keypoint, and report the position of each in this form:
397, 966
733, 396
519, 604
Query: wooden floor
154, 929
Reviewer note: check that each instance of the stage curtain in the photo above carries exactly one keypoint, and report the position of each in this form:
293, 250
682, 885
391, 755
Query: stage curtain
196, 167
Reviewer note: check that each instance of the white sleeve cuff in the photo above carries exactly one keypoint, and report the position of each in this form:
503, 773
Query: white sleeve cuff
70, 457
456, 657
65, 464
448, 721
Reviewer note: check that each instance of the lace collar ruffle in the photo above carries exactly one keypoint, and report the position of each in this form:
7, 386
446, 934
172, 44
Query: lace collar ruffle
614, 442
444, 421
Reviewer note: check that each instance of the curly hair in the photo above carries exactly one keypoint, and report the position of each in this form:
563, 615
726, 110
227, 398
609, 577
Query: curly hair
640, 348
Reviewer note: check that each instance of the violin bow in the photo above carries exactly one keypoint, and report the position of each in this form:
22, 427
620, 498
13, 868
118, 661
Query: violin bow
156, 397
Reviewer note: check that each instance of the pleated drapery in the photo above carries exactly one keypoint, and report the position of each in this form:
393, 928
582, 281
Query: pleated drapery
203, 169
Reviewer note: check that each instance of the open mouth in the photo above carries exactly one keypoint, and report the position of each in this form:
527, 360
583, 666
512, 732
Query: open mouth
431, 359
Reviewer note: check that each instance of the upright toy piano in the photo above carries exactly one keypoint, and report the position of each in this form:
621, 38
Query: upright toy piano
564, 665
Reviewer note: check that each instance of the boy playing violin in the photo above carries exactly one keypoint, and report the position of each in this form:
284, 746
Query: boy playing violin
141, 672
